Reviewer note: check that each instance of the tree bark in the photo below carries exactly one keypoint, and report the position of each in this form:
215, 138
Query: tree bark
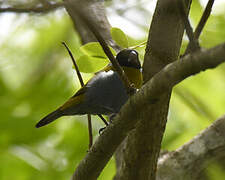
188, 161
96, 12
101, 152
140, 152
145, 113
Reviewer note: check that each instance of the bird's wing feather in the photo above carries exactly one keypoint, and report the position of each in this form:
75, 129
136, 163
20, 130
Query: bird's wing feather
80, 91
80, 94
74, 100
49, 118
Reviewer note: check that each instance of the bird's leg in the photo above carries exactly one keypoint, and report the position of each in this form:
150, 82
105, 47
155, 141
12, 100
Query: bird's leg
106, 123
103, 119
101, 130
111, 117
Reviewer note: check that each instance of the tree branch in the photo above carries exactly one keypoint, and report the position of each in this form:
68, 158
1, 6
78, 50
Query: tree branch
201, 24
193, 41
142, 148
82, 85
204, 18
96, 10
104, 147
194, 156
71, 7
35, 9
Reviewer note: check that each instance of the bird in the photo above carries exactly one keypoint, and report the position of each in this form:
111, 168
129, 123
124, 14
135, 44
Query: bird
104, 93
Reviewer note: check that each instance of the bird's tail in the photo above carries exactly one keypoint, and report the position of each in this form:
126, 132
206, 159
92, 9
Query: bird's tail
49, 118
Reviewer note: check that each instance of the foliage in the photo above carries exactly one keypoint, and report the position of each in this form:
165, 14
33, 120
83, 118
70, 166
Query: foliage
36, 76
119, 37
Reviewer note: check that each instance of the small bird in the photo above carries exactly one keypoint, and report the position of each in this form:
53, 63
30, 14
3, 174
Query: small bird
104, 93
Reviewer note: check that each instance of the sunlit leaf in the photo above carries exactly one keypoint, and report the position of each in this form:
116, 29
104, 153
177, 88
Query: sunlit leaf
35, 79
119, 37
89, 64
94, 49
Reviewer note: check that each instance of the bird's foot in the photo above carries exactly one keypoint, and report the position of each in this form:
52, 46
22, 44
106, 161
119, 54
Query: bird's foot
101, 130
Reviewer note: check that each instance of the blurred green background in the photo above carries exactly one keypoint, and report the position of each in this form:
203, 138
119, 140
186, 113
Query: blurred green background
36, 76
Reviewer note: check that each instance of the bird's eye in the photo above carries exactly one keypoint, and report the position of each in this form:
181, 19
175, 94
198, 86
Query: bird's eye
133, 55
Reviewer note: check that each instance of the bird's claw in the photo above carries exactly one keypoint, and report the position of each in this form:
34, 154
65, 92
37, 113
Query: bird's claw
101, 130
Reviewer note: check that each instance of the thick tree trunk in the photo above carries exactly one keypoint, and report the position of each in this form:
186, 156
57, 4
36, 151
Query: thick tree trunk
142, 147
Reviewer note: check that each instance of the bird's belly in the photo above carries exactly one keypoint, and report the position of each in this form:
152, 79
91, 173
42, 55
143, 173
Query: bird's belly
106, 94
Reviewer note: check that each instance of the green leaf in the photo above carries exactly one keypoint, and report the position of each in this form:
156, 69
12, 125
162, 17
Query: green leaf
119, 37
94, 49
89, 64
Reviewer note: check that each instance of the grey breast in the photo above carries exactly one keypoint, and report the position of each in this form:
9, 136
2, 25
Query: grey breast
105, 93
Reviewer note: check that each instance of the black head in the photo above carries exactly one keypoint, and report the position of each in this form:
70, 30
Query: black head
128, 58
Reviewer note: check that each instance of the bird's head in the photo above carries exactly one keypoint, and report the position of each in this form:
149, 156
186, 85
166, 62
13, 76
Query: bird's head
128, 58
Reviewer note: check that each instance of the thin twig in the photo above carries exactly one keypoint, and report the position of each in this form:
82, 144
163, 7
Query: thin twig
139, 45
201, 23
204, 18
82, 85
194, 45
103, 119
80, 77
186, 22
90, 131
104, 45
75, 65
35, 9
